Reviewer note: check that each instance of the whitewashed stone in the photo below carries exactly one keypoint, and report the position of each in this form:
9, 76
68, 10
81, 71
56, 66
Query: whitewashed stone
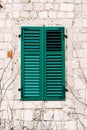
9, 1
58, 1
57, 125
77, 73
69, 102
9, 15
2, 23
9, 23
52, 104
48, 115
1, 39
16, 124
82, 93
66, 111
1, 64
79, 84
17, 1
8, 37
28, 6
82, 37
29, 124
84, 1
18, 114
84, 45
83, 62
75, 37
3, 54
6, 61
42, 1
79, 126
75, 63
33, 14
32, 104
65, 22
78, 8
52, 14
61, 14
69, 1
84, 15
24, 14
37, 114
70, 14
18, 104
2, 15
85, 23
16, 14
66, 7
50, 1
43, 14
35, 1
77, 1
58, 115
9, 8
70, 125
78, 23
4, 105
9, 93
45, 125
6, 115
49, 6
17, 6
1, 71
28, 115
56, 7
39, 6
6, 83
7, 74
84, 7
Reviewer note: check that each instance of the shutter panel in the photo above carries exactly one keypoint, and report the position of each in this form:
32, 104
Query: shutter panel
55, 71
31, 63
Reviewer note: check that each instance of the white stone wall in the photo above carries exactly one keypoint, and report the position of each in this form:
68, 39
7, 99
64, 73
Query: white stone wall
70, 114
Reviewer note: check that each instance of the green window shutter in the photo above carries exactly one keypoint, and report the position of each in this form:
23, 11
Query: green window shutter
31, 63
55, 63
42, 63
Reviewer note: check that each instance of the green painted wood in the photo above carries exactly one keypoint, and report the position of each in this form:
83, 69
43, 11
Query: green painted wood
31, 63
55, 63
42, 63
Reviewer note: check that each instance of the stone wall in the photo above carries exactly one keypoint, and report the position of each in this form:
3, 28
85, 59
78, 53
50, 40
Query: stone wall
70, 114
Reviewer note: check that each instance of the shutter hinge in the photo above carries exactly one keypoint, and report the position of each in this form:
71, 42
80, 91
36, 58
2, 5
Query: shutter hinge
1, 6
19, 89
66, 89
66, 36
19, 35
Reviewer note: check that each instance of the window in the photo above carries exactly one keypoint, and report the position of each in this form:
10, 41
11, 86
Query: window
42, 63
